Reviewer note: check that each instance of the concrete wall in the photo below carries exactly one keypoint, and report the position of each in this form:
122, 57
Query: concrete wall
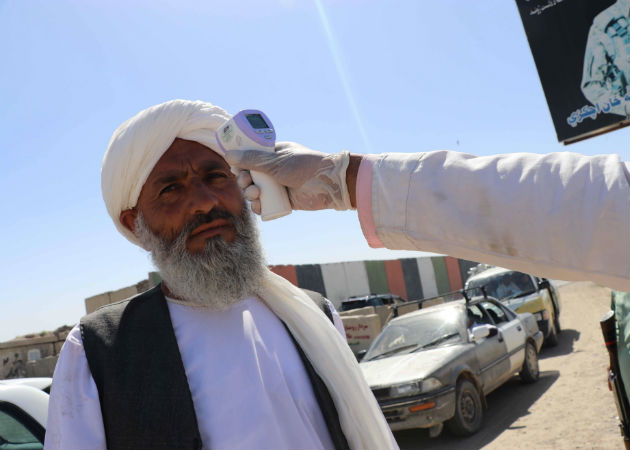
43, 368
427, 276
96, 301
31, 356
335, 282
410, 278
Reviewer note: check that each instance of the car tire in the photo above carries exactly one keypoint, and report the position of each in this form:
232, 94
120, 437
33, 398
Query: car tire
530, 371
552, 338
468, 410
556, 322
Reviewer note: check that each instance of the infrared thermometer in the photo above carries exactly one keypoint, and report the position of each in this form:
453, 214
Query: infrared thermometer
251, 129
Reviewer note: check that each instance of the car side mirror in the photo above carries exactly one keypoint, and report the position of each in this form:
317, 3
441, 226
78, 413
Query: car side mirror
361, 354
543, 284
483, 331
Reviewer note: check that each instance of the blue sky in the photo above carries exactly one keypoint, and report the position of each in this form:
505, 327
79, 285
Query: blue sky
365, 76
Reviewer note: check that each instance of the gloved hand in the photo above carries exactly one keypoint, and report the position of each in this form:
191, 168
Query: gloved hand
314, 180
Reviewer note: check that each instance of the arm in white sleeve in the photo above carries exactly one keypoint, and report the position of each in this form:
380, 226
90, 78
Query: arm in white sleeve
560, 215
74, 411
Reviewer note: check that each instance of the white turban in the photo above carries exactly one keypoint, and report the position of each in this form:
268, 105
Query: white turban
138, 144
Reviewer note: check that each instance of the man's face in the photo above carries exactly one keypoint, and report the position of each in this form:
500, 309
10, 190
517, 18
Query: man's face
189, 181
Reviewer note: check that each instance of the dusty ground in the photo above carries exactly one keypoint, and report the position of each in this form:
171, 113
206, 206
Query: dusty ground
570, 407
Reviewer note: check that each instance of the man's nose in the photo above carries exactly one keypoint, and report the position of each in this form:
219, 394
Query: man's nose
202, 198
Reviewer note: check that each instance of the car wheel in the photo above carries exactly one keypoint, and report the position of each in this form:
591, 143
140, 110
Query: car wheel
556, 322
530, 372
468, 410
552, 339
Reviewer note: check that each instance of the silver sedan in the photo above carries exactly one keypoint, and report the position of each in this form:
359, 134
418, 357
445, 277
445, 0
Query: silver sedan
436, 365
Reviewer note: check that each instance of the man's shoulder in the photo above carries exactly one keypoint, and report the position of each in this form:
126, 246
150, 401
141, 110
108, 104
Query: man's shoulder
118, 308
114, 323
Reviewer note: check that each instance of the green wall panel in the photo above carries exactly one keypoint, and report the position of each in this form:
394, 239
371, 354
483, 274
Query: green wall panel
441, 275
377, 278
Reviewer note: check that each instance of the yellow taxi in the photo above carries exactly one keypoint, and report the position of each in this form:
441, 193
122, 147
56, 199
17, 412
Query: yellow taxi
522, 292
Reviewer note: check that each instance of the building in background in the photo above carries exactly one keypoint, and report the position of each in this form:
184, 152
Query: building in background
32, 355
96, 301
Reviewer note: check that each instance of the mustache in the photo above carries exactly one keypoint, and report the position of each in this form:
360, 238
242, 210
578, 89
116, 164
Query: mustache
201, 219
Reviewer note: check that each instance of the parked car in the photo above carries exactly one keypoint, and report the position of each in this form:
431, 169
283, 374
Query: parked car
361, 301
437, 364
41, 383
23, 412
523, 293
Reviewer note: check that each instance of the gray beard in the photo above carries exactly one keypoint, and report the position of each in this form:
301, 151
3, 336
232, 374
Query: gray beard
222, 274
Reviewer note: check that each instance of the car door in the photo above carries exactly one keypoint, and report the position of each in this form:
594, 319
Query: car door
548, 300
490, 351
513, 333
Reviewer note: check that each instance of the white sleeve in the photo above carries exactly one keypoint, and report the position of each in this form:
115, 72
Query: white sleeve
337, 320
561, 215
74, 410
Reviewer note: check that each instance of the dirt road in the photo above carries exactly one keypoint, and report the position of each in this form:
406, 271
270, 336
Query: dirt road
570, 407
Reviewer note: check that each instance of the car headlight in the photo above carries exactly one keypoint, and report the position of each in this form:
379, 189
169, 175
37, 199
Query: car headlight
415, 388
431, 384
406, 390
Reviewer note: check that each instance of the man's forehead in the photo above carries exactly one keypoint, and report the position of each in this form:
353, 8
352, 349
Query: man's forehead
183, 154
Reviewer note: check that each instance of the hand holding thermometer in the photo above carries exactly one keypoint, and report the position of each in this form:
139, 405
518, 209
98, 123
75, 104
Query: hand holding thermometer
251, 129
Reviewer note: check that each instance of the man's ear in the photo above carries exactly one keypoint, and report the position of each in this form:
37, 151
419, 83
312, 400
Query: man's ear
128, 218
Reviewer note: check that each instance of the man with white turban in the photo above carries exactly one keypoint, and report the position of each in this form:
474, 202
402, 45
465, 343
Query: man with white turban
223, 353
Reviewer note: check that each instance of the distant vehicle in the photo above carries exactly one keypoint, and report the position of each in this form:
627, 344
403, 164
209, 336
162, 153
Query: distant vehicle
523, 293
437, 364
23, 412
361, 301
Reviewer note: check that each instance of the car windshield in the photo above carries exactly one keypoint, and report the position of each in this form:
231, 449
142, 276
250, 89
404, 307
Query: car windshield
444, 326
505, 285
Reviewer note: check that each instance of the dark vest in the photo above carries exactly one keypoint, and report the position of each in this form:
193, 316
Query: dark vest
145, 399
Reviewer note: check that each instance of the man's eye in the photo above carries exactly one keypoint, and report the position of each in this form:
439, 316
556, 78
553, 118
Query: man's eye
169, 188
216, 175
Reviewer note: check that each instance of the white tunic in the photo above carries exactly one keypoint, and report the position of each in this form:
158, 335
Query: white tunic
249, 387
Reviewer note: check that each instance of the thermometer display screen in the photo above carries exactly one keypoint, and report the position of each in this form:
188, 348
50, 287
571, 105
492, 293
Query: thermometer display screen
256, 121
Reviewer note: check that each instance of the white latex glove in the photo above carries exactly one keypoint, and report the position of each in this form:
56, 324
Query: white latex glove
314, 180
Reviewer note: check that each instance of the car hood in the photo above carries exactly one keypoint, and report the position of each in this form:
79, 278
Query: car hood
398, 369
